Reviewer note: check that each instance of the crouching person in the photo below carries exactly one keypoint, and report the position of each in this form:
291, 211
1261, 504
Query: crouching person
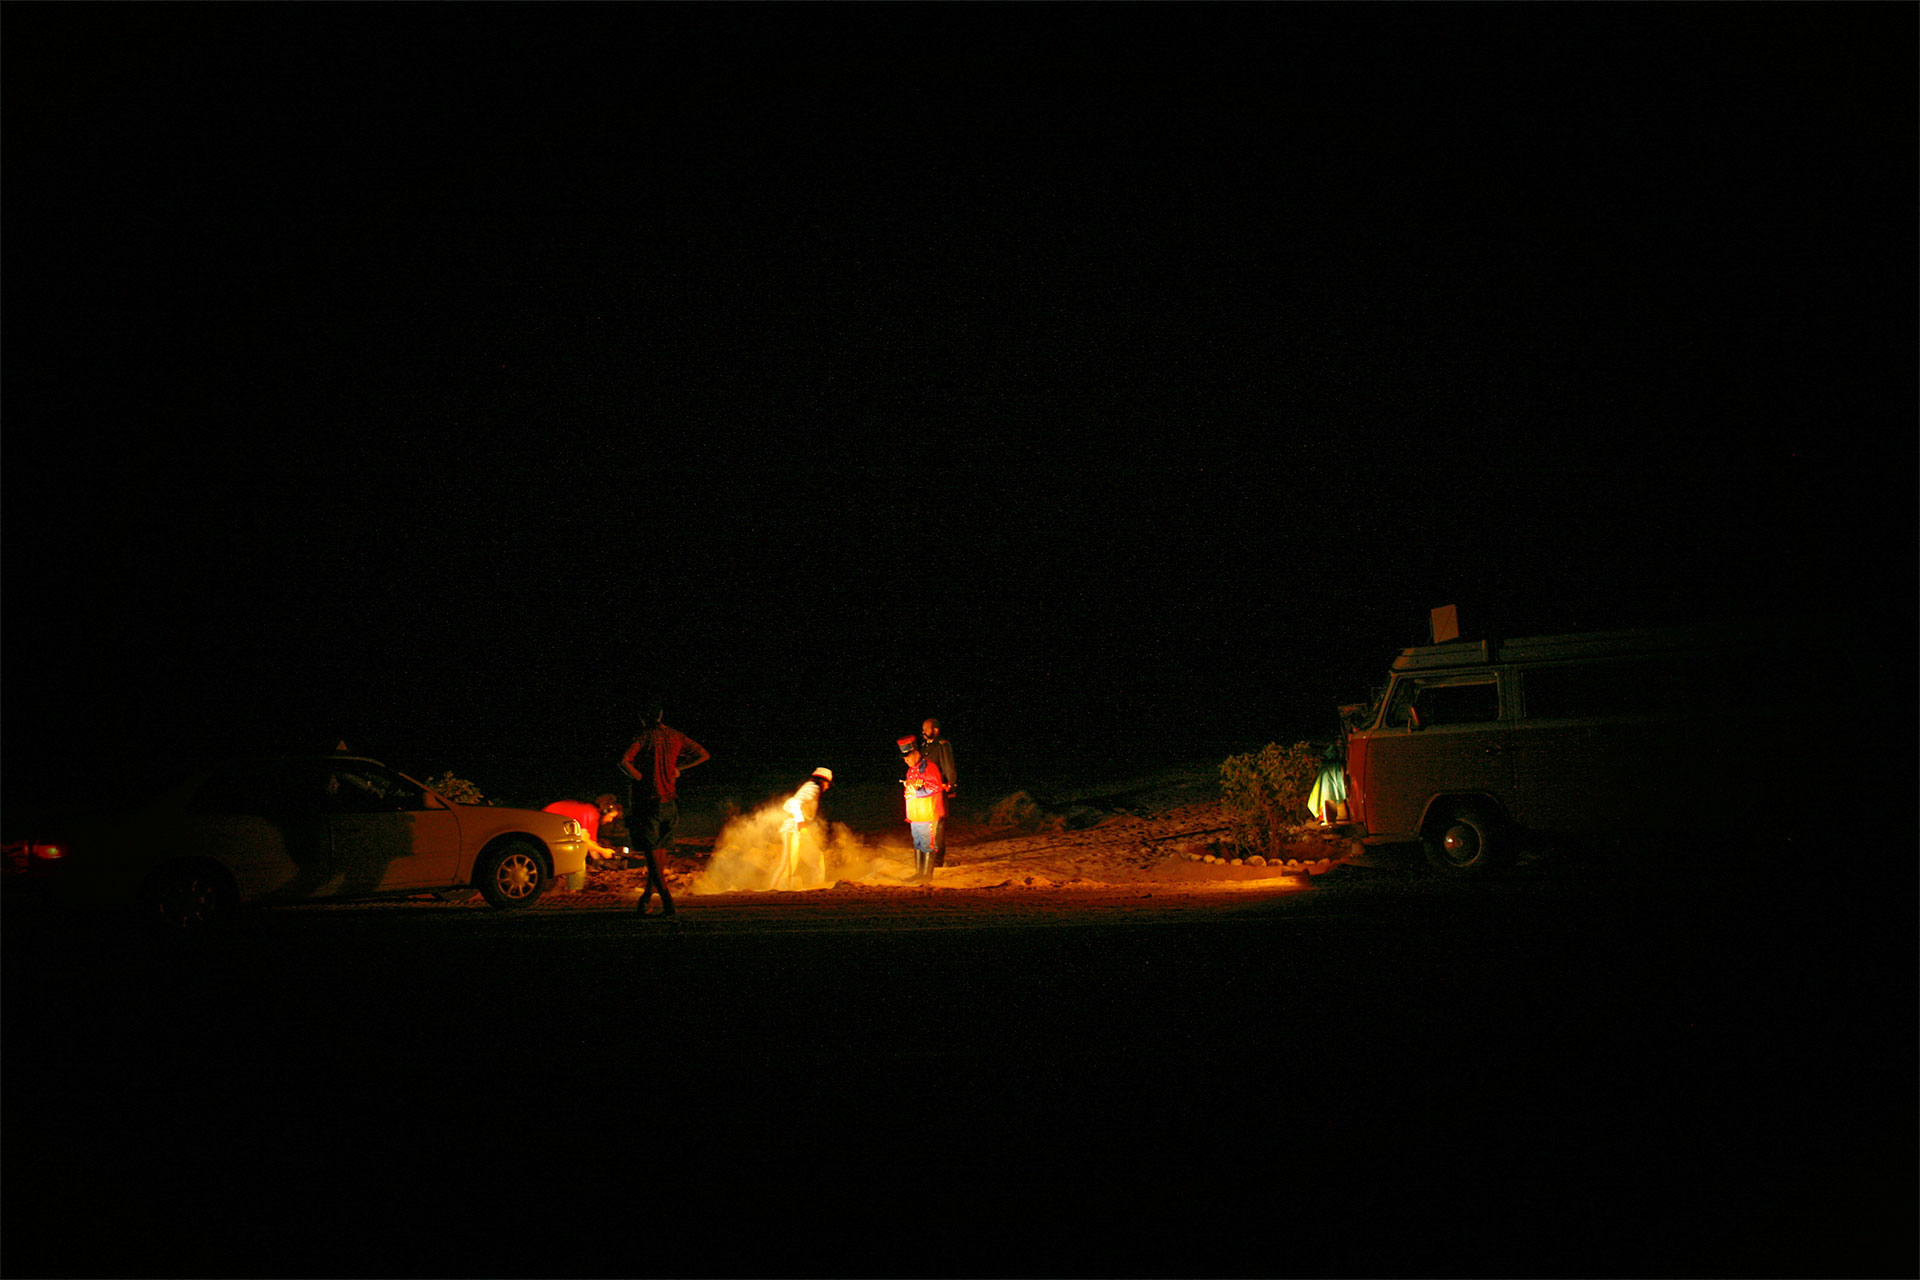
602, 823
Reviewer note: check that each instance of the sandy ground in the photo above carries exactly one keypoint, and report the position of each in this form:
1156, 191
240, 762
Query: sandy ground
1079, 1052
1162, 830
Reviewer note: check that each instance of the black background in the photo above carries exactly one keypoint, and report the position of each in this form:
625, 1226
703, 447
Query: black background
1109, 381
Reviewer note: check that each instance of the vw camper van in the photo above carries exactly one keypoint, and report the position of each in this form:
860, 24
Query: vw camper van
1475, 749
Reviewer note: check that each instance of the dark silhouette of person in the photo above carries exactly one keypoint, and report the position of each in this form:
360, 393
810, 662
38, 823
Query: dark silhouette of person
940, 752
613, 825
654, 761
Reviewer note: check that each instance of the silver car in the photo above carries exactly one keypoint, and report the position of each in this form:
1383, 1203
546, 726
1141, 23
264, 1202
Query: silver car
301, 829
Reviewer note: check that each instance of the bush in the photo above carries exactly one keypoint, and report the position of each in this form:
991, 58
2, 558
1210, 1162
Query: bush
1265, 793
458, 790
1016, 810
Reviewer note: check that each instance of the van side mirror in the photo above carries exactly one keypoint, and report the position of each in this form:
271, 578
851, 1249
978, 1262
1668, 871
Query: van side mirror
1413, 717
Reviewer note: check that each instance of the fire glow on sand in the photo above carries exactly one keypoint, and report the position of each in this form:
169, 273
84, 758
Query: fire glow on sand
750, 855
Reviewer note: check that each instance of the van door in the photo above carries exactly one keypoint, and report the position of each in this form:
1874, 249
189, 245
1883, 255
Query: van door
1442, 734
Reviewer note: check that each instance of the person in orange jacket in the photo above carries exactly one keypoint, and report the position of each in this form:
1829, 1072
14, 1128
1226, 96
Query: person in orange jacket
926, 793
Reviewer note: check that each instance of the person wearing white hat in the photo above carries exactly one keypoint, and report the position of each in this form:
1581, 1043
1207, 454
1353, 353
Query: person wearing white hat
803, 809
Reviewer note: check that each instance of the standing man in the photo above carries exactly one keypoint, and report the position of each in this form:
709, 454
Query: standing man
655, 761
940, 752
926, 806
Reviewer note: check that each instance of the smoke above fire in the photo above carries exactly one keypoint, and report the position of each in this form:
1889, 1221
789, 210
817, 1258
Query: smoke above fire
752, 854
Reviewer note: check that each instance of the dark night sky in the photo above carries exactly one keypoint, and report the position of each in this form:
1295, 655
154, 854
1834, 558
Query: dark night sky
1096, 377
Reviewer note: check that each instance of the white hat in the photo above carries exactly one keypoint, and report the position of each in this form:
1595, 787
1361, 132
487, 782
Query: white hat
824, 772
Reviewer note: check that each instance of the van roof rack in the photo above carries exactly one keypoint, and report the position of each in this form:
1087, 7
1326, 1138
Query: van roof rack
1585, 644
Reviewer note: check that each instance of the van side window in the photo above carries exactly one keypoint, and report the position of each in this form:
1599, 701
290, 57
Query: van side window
1453, 701
1581, 690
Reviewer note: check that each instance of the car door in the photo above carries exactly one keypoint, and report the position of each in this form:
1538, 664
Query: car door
1442, 734
387, 833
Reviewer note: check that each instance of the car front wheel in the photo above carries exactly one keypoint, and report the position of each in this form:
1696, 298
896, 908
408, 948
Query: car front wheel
510, 875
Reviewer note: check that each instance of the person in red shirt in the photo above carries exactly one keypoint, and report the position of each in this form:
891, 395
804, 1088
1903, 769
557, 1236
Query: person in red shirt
592, 817
655, 760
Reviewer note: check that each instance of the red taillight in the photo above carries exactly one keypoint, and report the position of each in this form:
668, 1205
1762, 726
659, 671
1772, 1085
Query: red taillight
22, 856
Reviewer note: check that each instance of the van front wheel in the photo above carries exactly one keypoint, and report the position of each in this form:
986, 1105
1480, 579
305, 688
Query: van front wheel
1468, 841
